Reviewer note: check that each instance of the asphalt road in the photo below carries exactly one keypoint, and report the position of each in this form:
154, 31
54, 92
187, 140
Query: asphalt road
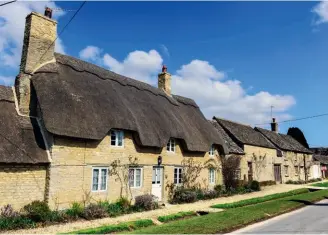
311, 219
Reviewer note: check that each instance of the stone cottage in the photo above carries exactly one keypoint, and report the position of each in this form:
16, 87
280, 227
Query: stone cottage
79, 133
297, 161
258, 154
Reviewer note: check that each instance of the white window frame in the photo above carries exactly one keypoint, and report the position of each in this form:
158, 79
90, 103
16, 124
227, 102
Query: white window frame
170, 147
118, 133
99, 179
135, 177
212, 180
178, 173
212, 151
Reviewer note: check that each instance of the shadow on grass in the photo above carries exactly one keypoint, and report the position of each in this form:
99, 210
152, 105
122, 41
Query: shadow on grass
308, 203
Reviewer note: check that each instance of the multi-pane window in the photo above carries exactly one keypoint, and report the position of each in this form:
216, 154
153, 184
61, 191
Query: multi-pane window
237, 175
117, 138
211, 177
296, 170
99, 179
135, 175
178, 175
286, 170
212, 151
170, 147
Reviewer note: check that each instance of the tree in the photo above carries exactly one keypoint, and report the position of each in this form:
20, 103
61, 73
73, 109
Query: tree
230, 165
298, 135
260, 163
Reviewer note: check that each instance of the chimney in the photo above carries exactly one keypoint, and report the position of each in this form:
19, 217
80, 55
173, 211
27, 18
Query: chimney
38, 49
164, 81
274, 125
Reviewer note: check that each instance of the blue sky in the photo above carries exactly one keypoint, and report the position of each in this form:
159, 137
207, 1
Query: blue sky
236, 59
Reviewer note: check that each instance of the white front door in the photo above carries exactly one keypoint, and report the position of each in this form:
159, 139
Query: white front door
157, 182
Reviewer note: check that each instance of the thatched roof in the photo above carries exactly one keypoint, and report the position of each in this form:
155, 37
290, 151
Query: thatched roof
82, 100
20, 137
232, 145
283, 142
244, 134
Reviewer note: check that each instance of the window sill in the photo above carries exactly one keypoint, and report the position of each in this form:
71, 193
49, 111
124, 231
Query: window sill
286, 175
98, 191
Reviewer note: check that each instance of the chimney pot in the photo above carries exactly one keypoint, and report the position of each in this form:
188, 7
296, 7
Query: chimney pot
164, 81
274, 125
48, 12
164, 69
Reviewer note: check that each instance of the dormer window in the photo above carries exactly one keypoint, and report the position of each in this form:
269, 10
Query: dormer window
170, 147
117, 138
212, 151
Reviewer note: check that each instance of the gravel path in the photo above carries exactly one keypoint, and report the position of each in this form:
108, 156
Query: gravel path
169, 209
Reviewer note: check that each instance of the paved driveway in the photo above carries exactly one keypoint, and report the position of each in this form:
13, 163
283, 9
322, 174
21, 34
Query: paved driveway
311, 219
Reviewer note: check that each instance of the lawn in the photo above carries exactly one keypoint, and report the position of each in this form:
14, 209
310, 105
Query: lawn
323, 184
257, 200
235, 218
128, 226
180, 215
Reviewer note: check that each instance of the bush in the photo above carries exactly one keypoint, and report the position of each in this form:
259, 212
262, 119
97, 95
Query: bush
20, 222
218, 188
200, 194
8, 211
94, 211
114, 209
255, 186
210, 194
37, 211
182, 195
267, 183
124, 203
146, 202
76, 210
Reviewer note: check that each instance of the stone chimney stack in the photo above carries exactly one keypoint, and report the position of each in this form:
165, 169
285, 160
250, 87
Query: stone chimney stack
274, 125
164, 81
38, 49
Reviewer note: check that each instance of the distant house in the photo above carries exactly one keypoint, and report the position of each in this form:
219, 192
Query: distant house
297, 160
258, 152
320, 155
66, 122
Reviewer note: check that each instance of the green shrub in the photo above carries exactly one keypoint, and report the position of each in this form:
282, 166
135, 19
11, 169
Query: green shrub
255, 186
20, 222
37, 211
94, 211
114, 210
268, 183
76, 210
168, 218
210, 194
124, 203
218, 188
146, 202
200, 194
141, 223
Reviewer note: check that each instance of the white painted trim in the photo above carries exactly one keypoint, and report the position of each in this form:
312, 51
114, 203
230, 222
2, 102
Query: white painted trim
177, 175
99, 179
134, 177
170, 149
41, 65
116, 138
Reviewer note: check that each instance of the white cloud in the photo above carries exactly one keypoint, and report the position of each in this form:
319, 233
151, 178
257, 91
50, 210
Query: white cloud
321, 10
165, 50
90, 53
140, 65
7, 81
12, 18
210, 88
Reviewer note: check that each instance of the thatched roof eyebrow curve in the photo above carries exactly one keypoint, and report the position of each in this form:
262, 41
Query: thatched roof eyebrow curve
78, 99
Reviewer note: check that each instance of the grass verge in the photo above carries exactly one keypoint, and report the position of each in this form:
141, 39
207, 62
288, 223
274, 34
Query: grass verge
180, 215
260, 199
128, 226
323, 184
235, 218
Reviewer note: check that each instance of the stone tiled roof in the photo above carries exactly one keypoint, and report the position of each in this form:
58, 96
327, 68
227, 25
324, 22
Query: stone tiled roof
244, 134
232, 146
283, 142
